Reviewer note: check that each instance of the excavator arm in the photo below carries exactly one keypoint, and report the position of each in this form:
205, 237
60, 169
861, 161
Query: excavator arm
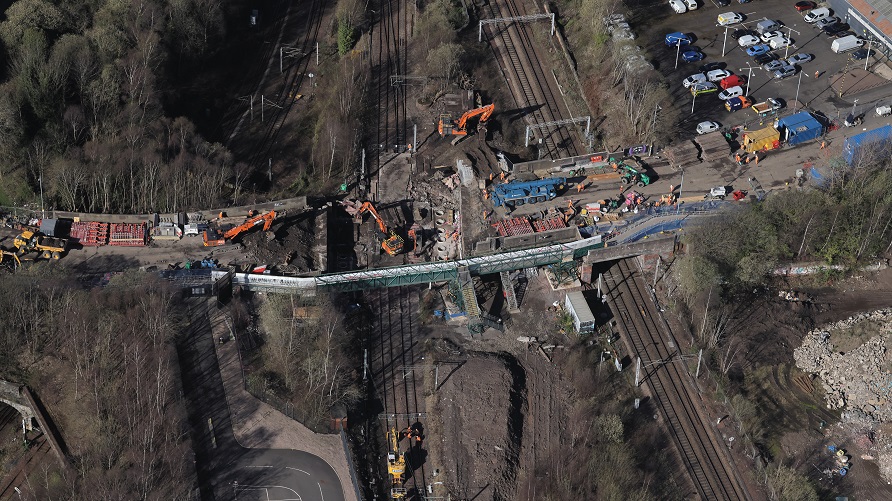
368, 207
391, 242
484, 113
266, 219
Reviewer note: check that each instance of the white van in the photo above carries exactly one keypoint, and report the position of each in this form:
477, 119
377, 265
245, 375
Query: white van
767, 25
884, 111
678, 6
691, 4
815, 14
846, 44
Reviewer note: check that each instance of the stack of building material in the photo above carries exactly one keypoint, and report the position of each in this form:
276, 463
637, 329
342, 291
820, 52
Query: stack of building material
551, 223
128, 234
713, 146
514, 227
89, 233
682, 154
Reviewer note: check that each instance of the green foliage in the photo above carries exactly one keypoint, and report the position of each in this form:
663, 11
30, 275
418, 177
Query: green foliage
346, 36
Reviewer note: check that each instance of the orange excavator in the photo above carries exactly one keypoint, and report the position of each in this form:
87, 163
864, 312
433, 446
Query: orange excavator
213, 238
447, 126
390, 241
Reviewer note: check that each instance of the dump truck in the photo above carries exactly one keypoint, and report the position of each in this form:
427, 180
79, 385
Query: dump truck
517, 193
766, 106
32, 241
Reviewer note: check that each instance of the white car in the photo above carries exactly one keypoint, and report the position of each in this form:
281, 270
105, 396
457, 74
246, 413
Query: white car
729, 18
691, 4
748, 41
678, 6
707, 127
717, 75
780, 43
729, 93
768, 36
694, 79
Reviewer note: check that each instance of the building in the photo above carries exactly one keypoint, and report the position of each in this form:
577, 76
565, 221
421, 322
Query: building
870, 19
577, 307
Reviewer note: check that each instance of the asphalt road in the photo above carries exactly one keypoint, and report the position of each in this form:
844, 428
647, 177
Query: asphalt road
226, 470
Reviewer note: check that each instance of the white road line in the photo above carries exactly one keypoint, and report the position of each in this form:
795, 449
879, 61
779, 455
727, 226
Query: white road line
320, 491
260, 466
298, 469
266, 488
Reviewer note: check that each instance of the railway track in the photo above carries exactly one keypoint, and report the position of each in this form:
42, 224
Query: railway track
389, 57
534, 90
395, 383
286, 98
702, 453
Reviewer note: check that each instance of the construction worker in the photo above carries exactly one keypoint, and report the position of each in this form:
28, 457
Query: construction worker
485, 195
502, 177
757, 159
737, 158
580, 187
491, 176
823, 144
817, 73
485, 215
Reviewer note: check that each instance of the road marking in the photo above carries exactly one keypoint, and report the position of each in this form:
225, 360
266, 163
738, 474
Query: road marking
298, 469
320, 491
253, 466
266, 489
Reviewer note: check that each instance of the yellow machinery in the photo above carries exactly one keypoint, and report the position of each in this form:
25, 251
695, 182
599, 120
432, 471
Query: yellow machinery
31, 241
12, 255
391, 242
396, 465
447, 126
213, 238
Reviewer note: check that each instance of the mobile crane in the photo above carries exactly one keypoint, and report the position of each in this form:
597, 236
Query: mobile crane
396, 465
390, 241
32, 241
447, 126
213, 238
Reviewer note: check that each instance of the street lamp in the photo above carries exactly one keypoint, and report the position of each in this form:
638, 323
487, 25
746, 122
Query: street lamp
796, 101
677, 52
749, 76
724, 41
694, 101
866, 59
853, 107
789, 37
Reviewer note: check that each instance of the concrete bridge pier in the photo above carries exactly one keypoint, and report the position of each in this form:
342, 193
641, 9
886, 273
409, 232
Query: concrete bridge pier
12, 394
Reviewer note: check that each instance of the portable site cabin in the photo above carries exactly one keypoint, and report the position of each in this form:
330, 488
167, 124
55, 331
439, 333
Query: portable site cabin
798, 128
762, 139
577, 307
868, 147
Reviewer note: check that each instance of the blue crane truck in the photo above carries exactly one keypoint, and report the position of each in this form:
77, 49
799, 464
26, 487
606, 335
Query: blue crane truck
517, 193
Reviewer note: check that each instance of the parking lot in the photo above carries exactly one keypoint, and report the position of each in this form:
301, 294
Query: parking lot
814, 93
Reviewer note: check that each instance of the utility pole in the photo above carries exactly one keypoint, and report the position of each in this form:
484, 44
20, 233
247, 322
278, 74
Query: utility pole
699, 359
638, 373
677, 53
725, 41
269, 170
749, 76
796, 101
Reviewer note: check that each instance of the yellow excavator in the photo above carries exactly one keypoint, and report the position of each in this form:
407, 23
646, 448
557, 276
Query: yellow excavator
396, 466
448, 127
390, 241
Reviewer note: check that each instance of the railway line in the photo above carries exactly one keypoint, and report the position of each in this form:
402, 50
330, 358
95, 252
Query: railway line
534, 90
712, 474
400, 396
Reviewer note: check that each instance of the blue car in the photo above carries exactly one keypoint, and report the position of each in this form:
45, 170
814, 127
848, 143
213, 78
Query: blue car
691, 56
677, 38
758, 50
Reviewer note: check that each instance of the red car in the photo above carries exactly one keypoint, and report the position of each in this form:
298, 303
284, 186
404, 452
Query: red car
805, 6
732, 81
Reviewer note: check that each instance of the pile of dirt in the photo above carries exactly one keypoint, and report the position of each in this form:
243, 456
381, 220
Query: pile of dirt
481, 406
293, 244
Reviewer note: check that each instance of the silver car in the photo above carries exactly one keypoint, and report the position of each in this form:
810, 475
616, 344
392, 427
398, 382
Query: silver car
800, 58
771, 66
785, 71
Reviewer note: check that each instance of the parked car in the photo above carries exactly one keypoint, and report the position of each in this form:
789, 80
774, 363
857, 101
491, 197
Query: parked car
757, 50
727, 94
827, 21
747, 41
729, 18
677, 38
843, 34
744, 1
707, 127
816, 14
694, 79
780, 43
678, 6
715, 65
692, 56
766, 25
800, 58
723, 3
732, 81
765, 58
859, 55
704, 88
769, 35
784, 71
691, 4
805, 6
736, 34
835, 28
772, 66
716, 75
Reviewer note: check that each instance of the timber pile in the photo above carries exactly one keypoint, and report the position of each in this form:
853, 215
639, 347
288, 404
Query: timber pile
682, 154
713, 146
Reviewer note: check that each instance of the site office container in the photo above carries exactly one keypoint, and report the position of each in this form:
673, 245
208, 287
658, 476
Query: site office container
868, 146
798, 128
762, 139
578, 308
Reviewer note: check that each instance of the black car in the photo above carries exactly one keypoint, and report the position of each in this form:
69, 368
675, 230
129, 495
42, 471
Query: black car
846, 33
741, 32
835, 28
706, 68
723, 3
859, 54
765, 58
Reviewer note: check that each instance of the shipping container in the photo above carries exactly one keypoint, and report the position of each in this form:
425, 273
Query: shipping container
798, 128
868, 146
762, 139
577, 307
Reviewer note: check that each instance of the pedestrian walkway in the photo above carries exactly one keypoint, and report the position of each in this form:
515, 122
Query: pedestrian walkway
257, 425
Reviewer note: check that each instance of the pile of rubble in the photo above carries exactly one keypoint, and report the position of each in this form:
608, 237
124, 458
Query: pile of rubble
713, 146
858, 381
